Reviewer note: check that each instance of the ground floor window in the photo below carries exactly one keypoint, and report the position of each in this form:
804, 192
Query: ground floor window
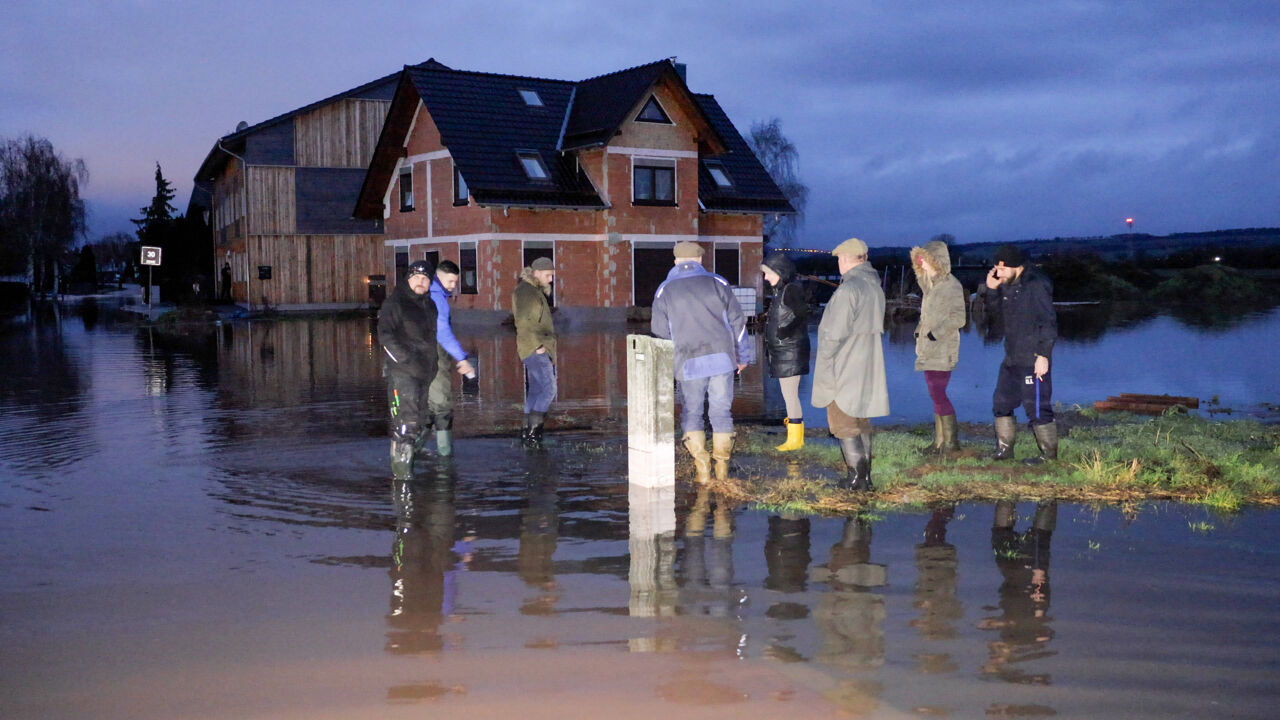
535, 250
727, 264
467, 281
402, 263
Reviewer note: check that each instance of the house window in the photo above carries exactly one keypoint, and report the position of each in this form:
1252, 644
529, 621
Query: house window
718, 174
402, 263
531, 98
459, 187
467, 284
653, 183
531, 161
727, 264
406, 189
652, 112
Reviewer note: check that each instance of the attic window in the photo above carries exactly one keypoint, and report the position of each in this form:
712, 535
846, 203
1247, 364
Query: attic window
719, 175
531, 98
653, 112
532, 164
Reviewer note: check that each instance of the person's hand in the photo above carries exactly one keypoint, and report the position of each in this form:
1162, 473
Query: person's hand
464, 367
541, 350
1042, 366
742, 366
993, 281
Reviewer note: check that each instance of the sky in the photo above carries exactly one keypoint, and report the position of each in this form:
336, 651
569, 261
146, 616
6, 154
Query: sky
986, 119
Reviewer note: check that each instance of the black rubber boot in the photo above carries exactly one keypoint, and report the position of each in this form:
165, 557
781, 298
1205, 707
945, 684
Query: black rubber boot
1006, 433
533, 429
857, 460
1047, 440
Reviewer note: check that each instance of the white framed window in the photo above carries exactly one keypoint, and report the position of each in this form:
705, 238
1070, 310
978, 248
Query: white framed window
718, 173
652, 112
531, 98
406, 189
459, 187
532, 163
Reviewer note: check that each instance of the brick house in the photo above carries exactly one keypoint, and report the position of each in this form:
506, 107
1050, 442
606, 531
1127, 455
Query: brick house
604, 176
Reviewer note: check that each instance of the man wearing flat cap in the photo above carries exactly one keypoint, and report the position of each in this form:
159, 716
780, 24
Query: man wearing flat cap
699, 313
536, 345
848, 376
1019, 300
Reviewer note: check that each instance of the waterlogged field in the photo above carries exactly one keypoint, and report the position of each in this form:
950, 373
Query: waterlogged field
210, 530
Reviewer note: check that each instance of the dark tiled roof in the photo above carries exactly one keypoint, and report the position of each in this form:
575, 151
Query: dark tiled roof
753, 190
483, 121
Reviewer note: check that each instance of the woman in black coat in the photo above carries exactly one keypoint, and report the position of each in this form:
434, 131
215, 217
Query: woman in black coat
786, 340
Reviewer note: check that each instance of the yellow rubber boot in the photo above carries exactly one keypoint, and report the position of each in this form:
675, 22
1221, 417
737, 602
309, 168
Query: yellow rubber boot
721, 450
696, 444
795, 436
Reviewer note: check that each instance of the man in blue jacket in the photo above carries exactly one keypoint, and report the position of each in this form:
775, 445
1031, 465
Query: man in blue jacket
452, 358
699, 313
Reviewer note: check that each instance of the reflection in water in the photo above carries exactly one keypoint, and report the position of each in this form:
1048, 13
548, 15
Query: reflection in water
850, 616
935, 592
539, 533
1023, 623
425, 563
708, 587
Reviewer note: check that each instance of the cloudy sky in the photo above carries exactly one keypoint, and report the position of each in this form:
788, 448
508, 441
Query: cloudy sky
988, 119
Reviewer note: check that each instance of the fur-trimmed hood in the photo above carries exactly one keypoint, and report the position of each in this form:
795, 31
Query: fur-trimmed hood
935, 253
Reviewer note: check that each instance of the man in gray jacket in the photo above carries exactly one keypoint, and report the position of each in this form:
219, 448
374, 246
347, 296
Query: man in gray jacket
699, 313
848, 376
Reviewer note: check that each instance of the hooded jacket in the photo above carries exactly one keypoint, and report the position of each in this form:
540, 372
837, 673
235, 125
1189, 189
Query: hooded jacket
786, 328
699, 313
849, 370
1023, 309
407, 333
532, 313
941, 309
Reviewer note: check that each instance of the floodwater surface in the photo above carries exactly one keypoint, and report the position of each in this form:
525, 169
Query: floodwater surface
209, 529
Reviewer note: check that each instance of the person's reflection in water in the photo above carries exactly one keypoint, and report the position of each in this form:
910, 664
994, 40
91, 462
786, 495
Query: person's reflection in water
1023, 560
425, 563
935, 591
786, 555
850, 617
539, 533
708, 563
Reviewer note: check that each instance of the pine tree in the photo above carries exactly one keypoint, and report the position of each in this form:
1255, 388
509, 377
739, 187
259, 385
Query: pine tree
157, 218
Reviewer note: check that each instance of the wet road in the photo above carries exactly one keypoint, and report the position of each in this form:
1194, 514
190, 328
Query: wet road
220, 538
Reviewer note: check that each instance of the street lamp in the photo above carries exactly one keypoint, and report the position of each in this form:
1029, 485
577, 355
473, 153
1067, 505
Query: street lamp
1129, 222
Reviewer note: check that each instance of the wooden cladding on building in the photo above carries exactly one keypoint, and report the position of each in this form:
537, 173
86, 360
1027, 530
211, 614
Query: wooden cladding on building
341, 134
307, 269
272, 209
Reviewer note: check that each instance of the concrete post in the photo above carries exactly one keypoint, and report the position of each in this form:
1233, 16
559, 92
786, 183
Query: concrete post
651, 411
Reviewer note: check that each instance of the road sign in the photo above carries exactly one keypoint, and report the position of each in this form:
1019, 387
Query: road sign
150, 255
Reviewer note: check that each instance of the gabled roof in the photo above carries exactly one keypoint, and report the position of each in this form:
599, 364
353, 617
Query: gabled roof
235, 141
484, 121
753, 190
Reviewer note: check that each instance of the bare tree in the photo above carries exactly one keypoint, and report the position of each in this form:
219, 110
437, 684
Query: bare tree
781, 159
41, 213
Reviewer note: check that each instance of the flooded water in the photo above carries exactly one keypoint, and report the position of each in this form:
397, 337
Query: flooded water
208, 528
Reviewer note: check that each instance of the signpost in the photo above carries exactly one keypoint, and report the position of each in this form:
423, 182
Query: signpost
150, 258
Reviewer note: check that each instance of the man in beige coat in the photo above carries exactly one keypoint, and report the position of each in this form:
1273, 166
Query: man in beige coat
848, 377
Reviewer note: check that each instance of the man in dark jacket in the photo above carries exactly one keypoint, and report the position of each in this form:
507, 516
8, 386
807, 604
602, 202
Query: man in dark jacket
407, 333
1019, 299
699, 313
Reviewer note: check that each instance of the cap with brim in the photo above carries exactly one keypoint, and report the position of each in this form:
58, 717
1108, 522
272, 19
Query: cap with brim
687, 249
852, 246
542, 263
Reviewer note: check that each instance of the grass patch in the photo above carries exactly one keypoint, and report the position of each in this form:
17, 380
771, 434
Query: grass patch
1104, 459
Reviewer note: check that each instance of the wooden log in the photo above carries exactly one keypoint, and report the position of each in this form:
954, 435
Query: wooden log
1132, 406
1166, 399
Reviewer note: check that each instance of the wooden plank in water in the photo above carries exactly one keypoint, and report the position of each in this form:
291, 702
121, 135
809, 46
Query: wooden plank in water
1166, 399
